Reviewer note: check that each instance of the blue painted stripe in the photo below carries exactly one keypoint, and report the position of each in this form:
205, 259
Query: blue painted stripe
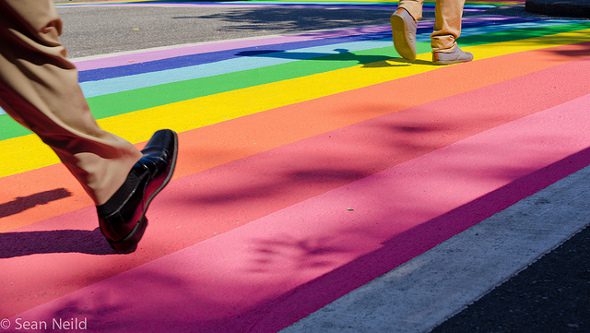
203, 58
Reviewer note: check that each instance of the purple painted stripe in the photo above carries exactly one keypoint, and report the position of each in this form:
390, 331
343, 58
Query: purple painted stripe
178, 51
215, 46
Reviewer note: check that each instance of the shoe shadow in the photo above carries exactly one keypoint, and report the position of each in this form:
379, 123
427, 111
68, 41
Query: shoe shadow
416, 62
342, 55
18, 244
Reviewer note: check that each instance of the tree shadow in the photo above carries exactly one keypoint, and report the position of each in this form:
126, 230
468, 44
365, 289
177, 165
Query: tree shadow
269, 254
296, 19
160, 299
581, 50
20, 204
322, 168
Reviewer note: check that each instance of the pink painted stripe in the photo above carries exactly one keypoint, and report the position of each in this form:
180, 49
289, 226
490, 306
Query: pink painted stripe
197, 207
267, 274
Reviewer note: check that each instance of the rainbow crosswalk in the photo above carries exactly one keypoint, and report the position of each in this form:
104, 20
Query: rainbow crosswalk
310, 164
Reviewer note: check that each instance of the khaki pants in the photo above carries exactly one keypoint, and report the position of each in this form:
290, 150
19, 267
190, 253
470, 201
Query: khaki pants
39, 88
447, 25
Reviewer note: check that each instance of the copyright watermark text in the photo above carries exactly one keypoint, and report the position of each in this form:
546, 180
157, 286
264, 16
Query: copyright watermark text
61, 324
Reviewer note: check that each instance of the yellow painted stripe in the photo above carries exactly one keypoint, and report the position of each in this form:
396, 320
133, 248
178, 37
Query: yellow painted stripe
28, 153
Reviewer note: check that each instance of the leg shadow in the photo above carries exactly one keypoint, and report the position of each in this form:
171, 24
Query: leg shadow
18, 244
21, 204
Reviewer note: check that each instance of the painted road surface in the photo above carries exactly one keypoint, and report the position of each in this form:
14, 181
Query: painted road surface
310, 164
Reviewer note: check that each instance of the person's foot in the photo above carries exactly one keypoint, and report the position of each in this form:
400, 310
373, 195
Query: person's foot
122, 218
454, 57
403, 29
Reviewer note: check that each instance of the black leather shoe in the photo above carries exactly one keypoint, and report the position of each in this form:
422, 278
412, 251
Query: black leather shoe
122, 218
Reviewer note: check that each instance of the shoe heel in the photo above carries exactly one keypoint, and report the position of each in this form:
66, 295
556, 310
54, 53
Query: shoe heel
398, 34
129, 243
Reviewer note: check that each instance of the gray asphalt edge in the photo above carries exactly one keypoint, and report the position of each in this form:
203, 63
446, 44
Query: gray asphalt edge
408, 299
511, 276
550, 295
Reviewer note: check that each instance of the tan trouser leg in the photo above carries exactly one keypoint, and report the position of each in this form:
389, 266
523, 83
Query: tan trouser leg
414, 7
447, 25
39, 88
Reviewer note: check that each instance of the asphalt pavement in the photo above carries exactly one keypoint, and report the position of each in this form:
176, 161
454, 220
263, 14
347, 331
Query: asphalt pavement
552, 295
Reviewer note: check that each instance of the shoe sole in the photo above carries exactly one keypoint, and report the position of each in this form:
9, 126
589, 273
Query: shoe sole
130, 242
399, 32
442, 63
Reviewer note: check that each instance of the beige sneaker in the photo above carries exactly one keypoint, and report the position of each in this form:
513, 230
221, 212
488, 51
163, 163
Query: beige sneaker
454, 57
403, 29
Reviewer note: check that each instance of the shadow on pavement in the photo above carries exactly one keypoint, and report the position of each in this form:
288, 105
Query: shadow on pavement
369, 61
18, 244
297, 19
21, 204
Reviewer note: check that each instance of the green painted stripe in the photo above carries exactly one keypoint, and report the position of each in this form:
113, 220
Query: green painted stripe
117, 103
133, 100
